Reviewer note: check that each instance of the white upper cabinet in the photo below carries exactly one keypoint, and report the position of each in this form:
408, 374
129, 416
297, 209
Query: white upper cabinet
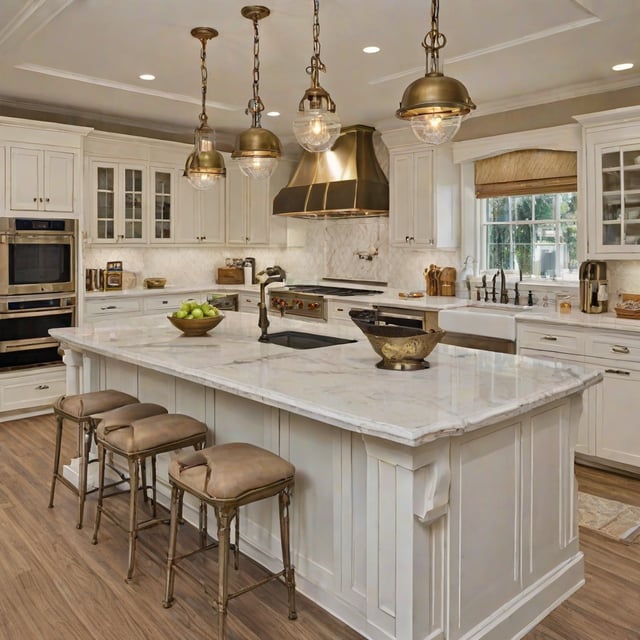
250, 220
200, 214
424, 205
248, 209
118, 202
41, 168
612, 186
41, 180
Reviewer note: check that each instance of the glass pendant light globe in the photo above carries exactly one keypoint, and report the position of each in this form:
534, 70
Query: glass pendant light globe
434, 129
204, 166
258, 168
316, 130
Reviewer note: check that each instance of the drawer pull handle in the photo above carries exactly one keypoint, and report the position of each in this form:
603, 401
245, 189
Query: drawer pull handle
550, 338
165, 302
618, 372
619, 349
111, 306
339, 309
41, 387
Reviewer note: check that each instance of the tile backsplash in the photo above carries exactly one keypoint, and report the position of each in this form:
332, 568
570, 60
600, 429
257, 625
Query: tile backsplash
324, 248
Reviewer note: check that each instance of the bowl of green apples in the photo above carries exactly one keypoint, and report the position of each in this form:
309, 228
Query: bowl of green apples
196, 318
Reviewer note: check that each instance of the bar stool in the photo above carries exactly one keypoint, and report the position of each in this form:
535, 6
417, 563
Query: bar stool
136, 438
79, 409
226, 477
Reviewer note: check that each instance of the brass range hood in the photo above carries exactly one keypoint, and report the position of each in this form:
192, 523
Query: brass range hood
345, 182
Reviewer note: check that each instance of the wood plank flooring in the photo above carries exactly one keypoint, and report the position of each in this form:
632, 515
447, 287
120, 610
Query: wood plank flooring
54, 584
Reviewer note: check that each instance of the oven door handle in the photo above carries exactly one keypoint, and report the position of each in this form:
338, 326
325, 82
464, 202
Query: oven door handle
15, 315
34, 238
8, 346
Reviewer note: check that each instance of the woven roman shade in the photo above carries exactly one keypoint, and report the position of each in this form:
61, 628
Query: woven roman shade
529, 171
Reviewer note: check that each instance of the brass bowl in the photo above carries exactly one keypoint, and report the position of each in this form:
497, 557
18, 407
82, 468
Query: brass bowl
401, 348
196, 326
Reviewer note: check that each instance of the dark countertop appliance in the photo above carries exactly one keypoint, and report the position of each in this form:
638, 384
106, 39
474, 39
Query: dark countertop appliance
308, 300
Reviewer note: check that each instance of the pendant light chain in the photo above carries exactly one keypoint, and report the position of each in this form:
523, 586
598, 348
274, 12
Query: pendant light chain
256, 105
434, 40
203, 75
316, 63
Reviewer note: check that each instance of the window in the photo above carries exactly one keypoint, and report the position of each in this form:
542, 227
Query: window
533, 233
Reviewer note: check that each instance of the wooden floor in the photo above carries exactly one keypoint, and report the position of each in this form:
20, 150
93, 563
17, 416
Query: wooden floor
55, 585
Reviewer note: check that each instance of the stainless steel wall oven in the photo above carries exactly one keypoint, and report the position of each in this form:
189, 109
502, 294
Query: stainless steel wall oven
37, 256
24, 329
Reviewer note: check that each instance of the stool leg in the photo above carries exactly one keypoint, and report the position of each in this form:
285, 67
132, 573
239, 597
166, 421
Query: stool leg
202, 523
85, 433
236, 550
284, 500
224, 520
176, 501
56, 459
134, 483
153, 486
101, 465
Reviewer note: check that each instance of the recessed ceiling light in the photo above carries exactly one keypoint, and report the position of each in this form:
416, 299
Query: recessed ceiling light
623, 66
273, 114
146, 76
371, 49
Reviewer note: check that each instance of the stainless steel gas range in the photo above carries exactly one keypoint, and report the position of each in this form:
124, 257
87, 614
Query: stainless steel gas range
308, 300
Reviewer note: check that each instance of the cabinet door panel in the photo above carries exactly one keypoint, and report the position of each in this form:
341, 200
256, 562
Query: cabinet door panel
258, 211
186, 227
423, 198
163, 198
212, 215
58, 181
236, 208
401, 198
26, 187
104, 194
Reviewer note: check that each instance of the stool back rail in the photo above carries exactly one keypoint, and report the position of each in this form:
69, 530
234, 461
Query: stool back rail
226, 510
136, 441
79, 409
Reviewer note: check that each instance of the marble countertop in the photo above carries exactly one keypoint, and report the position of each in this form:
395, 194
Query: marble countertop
462, 390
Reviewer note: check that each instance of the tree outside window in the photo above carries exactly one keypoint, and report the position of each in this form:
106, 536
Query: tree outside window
536, 234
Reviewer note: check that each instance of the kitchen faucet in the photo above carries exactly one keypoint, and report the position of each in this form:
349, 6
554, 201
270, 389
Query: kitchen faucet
504, 296
269, 275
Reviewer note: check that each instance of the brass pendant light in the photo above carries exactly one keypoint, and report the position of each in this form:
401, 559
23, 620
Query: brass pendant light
258, 149
317, 126
205, 165
435, 105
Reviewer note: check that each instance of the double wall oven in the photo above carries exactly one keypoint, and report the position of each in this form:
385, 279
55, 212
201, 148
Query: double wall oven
37, 288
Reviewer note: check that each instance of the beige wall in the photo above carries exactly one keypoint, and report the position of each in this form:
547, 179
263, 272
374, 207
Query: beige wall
546, 115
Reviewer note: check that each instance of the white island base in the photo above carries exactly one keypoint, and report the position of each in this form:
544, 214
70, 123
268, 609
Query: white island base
464, 535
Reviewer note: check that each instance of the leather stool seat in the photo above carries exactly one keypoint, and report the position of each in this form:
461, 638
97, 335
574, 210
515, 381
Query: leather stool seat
226, 477
139, 432
79, 408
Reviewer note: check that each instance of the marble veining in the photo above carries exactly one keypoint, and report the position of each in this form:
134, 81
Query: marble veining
462, 390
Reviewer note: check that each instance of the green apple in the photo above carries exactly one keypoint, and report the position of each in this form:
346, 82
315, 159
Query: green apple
197, 312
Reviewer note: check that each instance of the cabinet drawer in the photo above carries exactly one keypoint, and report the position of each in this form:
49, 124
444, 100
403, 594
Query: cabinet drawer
172, 302
31, 389
339, 309
107, 307
550, 338
620, 348
248, 302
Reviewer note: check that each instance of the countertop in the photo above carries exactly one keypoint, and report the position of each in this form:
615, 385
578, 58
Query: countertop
463, 389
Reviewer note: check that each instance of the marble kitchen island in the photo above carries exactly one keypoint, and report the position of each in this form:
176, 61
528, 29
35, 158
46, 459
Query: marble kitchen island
432, 504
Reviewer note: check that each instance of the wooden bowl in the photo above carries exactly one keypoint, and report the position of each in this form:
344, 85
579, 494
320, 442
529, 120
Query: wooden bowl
196, 326
401, 348
154, 283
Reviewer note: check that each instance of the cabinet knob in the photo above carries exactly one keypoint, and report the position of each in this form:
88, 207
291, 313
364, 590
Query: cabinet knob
47, 199
35, 199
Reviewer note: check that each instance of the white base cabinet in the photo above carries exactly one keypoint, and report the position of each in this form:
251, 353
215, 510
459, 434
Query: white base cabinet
608, 428
31, 389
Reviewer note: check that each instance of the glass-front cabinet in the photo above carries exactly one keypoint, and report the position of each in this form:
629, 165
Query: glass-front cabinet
162, 197
620, 168
611, 182
118, 202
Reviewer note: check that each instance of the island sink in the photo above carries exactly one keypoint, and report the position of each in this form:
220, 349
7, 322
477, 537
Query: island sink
302, 340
